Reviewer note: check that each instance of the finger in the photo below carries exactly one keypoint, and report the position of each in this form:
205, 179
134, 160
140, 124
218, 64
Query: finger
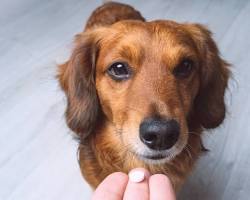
137, 187
161, 188
112, 187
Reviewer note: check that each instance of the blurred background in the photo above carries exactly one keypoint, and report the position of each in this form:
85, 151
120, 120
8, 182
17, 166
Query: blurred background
38, 157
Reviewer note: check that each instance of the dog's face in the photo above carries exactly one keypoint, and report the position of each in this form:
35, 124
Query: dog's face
150, 80
146, 80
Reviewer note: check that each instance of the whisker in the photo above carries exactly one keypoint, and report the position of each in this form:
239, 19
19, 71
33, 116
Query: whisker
191, 148
188, 152
192, 133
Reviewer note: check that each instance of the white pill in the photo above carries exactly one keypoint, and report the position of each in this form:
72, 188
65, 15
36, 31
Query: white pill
136, 176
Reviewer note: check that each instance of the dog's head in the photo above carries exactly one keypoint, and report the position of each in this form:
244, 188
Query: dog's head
149, 80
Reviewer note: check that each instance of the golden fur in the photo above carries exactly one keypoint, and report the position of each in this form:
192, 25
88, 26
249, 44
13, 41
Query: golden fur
106, 114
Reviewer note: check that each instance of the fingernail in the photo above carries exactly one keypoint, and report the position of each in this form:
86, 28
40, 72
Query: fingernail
136, 176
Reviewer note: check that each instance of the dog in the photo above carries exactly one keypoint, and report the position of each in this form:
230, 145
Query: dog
140, 94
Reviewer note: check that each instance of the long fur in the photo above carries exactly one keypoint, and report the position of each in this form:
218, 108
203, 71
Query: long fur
94, 114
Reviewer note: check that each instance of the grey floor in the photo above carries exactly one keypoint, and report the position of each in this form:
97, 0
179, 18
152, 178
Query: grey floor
37, 153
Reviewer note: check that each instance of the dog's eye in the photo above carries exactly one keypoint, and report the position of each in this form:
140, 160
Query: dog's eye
184, 69
119, 71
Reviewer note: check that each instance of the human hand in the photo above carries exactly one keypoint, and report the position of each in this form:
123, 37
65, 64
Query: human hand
138, 185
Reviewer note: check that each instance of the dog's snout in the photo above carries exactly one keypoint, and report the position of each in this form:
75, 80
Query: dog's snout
159, 133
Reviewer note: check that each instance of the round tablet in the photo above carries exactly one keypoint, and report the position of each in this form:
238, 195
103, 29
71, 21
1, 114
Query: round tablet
136, 176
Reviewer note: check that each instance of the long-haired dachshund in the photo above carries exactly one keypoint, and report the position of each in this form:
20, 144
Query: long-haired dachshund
140, 93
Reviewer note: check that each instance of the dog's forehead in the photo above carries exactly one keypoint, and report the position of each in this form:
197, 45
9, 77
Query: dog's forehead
137, 40
159, 32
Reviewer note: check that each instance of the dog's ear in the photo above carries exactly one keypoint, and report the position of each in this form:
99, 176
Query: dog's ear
209, 105
77, 79
110, 13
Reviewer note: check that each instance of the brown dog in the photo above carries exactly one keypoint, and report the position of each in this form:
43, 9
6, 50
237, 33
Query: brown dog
140, 93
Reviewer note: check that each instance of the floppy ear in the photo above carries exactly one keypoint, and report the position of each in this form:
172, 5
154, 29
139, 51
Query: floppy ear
77, 79
209, 105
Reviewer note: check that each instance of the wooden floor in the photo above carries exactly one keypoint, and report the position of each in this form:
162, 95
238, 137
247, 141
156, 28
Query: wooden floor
37, 155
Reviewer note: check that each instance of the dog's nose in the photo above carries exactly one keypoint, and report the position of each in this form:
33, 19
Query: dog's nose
159, 133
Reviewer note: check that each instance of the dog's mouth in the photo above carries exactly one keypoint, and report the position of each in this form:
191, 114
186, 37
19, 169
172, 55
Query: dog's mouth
159, 157
154, 157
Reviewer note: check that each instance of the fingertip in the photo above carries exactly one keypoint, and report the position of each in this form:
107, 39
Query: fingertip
112, 187
137, 187
161, 187
118, 175
160, 178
